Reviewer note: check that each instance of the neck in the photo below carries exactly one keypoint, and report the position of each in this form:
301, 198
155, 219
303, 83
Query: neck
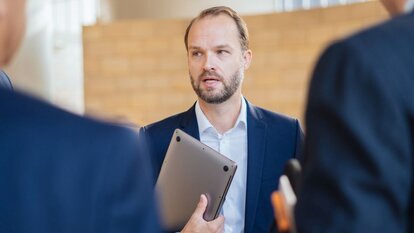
222, 116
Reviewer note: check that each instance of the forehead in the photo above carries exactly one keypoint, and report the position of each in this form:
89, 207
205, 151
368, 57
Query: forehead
214, 30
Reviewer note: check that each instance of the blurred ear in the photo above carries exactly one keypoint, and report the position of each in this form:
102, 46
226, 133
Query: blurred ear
247, 58
394, 7
2, 31
2, 10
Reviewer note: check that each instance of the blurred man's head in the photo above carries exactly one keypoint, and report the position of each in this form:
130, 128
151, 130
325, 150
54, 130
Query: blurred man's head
394, 7
12, 23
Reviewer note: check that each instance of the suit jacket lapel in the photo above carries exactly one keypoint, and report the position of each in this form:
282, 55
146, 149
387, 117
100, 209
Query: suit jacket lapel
188, 123
256, 134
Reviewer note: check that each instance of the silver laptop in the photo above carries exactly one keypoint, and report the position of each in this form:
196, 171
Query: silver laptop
191, 168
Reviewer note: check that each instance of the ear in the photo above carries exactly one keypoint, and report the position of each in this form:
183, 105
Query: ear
2, 32
247, 58
2, 22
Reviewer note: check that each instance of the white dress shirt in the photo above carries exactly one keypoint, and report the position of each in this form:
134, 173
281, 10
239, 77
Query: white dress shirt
409, 5
232, 144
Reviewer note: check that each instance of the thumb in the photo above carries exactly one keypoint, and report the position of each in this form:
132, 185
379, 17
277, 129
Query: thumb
218, 221
201, 206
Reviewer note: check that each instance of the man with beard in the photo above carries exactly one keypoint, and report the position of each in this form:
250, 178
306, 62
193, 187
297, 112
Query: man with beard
64, 173
258, 140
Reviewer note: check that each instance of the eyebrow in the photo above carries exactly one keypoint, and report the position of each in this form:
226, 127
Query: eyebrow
216, 47
193, 48
223, 47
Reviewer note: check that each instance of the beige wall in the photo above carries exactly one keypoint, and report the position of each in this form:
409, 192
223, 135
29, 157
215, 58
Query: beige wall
167, 9
137, 69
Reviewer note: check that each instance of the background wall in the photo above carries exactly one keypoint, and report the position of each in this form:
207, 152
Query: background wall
132, 9
49, 63
137, 69
111, 10
31, 69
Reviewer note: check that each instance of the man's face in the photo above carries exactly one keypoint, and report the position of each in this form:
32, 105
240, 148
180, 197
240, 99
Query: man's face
215, 59
12, 24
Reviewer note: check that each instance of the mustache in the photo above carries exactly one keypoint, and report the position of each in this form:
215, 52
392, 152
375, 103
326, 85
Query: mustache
210, 73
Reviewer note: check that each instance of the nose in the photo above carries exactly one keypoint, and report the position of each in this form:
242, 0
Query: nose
209, 62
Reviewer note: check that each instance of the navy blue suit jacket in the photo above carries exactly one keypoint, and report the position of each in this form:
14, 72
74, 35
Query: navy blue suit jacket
359, 169
63, 173
272, 140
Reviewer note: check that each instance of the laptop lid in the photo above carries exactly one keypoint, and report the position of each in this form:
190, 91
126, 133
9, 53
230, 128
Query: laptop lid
191, 168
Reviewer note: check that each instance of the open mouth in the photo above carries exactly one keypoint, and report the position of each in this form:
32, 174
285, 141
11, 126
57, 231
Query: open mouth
210, 79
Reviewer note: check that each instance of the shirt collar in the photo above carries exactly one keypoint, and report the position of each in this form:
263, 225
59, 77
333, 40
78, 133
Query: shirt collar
204, 123
409, 6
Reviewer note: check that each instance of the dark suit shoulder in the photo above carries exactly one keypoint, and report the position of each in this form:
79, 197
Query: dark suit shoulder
388, 28
391, 37
377, 58
273, 118
170, 123
32, 115
281, 128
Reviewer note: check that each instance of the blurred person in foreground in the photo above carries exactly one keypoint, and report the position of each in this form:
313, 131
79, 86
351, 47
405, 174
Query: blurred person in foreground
63, 173
359, 152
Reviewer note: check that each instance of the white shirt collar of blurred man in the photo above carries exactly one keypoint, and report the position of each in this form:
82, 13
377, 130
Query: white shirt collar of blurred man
408, 6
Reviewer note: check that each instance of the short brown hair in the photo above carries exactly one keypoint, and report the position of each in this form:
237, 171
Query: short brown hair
218, 10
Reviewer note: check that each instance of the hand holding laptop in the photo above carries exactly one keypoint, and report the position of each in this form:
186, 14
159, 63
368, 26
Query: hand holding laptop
197, 222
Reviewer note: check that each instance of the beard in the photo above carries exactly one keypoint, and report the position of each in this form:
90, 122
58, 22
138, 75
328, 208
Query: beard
209, 95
